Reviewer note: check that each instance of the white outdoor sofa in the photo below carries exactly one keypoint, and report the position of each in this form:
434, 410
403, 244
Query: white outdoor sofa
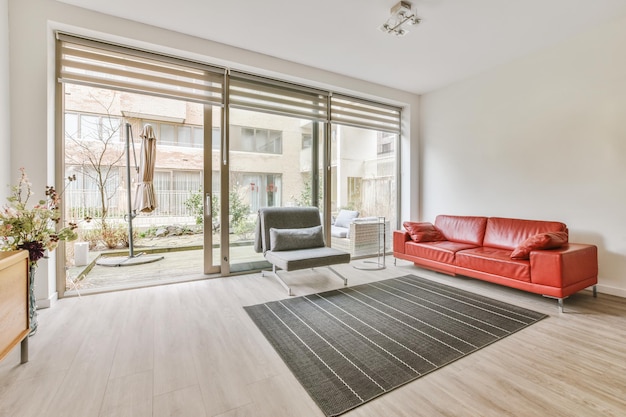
359, 236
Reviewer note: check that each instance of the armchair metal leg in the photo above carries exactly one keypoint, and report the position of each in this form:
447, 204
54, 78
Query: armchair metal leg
282, 282
279, 279
345, 280
595, 291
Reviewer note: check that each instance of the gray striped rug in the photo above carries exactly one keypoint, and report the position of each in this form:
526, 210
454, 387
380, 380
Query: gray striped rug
351, 345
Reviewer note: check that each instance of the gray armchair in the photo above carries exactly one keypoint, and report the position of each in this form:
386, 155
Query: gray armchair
291, 238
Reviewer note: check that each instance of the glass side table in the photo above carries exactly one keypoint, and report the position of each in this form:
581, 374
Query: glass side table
381, 237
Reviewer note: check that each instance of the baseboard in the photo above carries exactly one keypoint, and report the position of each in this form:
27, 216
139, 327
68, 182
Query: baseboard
47, 302
606, 289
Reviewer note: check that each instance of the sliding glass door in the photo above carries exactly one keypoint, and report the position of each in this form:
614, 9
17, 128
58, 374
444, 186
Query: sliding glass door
273, 157
270, 165
364, 170
103, 89
228, 144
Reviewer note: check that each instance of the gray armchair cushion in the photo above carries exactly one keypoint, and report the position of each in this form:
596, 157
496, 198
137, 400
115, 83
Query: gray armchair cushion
282, 218
307, 258
300, 238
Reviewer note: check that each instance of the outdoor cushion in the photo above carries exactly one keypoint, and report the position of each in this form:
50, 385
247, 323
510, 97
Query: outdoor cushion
339, 231
345, 217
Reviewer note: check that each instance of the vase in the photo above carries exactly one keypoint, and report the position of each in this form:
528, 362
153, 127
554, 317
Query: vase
32, 304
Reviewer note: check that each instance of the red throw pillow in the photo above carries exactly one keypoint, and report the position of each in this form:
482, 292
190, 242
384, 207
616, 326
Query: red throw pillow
548, 240
423, 232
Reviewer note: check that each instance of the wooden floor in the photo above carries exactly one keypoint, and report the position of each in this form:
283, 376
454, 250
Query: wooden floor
189, 349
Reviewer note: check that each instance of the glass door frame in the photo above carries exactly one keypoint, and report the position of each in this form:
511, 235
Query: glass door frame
208, 262
224, 172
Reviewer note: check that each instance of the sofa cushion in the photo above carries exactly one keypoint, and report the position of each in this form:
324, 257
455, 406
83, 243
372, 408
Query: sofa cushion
506, 233
464, 229
423, 232
345, 217
442, 251
493, 261
548, 240
292, 239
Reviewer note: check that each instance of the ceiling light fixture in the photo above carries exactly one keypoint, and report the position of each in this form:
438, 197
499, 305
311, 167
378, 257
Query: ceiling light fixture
401, 15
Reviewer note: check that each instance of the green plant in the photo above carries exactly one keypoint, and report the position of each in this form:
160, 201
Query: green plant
114, 235
195, 204
304, 199
244, 228
149, 232
92, 236
238, 210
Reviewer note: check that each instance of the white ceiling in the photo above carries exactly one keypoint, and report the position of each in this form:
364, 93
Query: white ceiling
456, 39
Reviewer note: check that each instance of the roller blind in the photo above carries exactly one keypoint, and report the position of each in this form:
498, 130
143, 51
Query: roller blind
250, 92
99, 64
351, 111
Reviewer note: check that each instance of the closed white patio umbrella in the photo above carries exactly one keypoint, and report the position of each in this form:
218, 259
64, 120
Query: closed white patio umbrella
145, 197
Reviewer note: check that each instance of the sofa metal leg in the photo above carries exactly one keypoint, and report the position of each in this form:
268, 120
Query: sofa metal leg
345, 280
595, 291
559, 301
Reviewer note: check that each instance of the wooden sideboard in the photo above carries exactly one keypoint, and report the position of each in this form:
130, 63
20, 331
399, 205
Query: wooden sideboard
14, 322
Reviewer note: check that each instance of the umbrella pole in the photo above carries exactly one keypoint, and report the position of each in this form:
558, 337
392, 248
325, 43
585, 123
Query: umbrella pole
131, 215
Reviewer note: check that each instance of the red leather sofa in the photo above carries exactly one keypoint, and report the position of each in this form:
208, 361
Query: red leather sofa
543, 262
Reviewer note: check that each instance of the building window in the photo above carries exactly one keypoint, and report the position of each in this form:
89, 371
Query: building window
184, 136
167, 134
102, 128
307, 140
260, 189
189, 136
386, 142
216, 138
354, 191
250, 139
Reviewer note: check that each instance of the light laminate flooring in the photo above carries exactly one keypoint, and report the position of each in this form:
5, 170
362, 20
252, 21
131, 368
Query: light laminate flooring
189, 349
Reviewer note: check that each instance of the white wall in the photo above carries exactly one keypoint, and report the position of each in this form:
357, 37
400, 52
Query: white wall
5, 126
541, 138
32, 24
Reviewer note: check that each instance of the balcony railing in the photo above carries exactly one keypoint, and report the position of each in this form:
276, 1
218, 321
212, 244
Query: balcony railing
87, 203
